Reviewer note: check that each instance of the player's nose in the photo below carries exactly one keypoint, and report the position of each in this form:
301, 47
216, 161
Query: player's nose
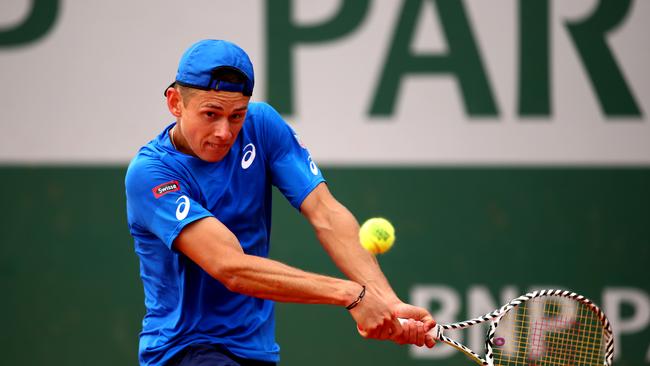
222, 130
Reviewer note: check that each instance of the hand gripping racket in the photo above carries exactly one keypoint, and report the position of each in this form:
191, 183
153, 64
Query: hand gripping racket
546, 327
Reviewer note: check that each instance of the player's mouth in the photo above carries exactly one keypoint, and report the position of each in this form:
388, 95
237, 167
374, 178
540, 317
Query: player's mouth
216, 146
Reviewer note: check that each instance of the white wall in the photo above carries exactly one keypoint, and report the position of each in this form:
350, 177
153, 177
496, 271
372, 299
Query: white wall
91, 90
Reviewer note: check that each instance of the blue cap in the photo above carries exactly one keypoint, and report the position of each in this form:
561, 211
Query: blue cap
198, 64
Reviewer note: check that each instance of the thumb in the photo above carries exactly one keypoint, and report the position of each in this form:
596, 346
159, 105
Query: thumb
410, 312
416, 313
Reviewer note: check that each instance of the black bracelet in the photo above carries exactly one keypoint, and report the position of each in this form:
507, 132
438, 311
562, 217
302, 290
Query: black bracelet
358, 300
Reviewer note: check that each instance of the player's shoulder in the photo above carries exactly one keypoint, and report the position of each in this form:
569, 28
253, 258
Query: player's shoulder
259, 108
261, 112
150, 161
152, 154
142, 166
263, 118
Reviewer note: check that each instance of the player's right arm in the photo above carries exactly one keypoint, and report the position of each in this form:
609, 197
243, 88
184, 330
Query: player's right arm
213, 247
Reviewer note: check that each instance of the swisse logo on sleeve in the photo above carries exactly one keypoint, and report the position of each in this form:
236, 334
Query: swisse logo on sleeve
165, 188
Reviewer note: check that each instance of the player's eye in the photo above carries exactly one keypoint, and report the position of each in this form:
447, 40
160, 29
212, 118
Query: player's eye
210, 114
237, 117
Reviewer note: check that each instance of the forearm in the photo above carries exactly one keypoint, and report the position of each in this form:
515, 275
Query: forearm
338, 232
269, 279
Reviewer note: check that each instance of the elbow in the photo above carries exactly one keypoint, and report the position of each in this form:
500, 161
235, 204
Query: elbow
232, 282
328, 221
322, 227
322, 220
229, 274
235, 284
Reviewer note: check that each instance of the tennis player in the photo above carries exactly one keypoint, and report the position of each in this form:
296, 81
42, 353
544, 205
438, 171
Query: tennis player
199, 210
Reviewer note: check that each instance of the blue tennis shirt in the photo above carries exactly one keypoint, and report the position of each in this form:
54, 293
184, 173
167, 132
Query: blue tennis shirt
166, 190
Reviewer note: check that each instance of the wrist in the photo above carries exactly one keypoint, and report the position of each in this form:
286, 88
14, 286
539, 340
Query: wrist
380, 286
385, 292
357, 300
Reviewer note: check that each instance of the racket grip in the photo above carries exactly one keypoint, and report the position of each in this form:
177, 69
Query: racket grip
434, 332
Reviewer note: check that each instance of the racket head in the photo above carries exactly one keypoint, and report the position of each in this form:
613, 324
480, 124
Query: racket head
550, 327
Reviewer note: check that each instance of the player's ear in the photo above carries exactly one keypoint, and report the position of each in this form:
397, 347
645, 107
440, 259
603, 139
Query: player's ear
174, 101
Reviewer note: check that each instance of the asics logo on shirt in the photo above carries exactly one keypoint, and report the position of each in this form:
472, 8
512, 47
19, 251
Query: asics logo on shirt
183, 208
249, 156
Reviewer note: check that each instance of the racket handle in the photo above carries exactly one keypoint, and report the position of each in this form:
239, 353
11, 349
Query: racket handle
434, 332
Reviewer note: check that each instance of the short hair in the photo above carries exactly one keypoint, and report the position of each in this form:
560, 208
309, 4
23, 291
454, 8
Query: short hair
186, 93
228, 74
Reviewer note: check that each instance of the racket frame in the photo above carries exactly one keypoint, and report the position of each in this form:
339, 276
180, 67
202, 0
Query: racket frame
495, 316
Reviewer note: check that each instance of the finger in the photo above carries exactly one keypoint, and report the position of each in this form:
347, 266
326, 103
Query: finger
420, 334
397, 331
391, 329
408, 332
384, 333
362, 332
413, 331
416, 333
429, 323
429, 341
380, 331
374, 332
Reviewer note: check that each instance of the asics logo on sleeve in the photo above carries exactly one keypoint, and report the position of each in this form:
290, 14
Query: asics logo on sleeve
295, 135
249, 156
183, 208
312, 166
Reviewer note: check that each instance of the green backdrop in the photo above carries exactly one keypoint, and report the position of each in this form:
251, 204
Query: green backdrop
72, 295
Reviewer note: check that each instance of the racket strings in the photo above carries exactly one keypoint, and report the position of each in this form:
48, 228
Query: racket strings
547, 331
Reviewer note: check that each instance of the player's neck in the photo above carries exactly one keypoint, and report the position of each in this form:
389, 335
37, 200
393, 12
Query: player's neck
178, 141
171, 137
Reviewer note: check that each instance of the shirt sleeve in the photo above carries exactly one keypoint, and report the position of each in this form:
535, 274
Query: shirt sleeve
292, 167
160, 201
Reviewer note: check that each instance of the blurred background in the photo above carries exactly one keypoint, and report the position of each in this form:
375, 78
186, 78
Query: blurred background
508, 142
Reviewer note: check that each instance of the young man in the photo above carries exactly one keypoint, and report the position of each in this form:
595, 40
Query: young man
199, 210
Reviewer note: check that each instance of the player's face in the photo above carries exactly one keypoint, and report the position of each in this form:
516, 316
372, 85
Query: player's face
210, 123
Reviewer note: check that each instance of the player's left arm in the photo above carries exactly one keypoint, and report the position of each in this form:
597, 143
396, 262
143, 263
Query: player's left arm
338, 232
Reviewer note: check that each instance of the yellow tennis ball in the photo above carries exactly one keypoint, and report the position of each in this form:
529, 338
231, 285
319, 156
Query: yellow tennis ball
377, 235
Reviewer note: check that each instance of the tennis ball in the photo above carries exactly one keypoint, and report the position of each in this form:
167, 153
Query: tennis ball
377, 235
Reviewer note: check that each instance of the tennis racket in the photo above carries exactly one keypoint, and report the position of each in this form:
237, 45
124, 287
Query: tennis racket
546, 327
